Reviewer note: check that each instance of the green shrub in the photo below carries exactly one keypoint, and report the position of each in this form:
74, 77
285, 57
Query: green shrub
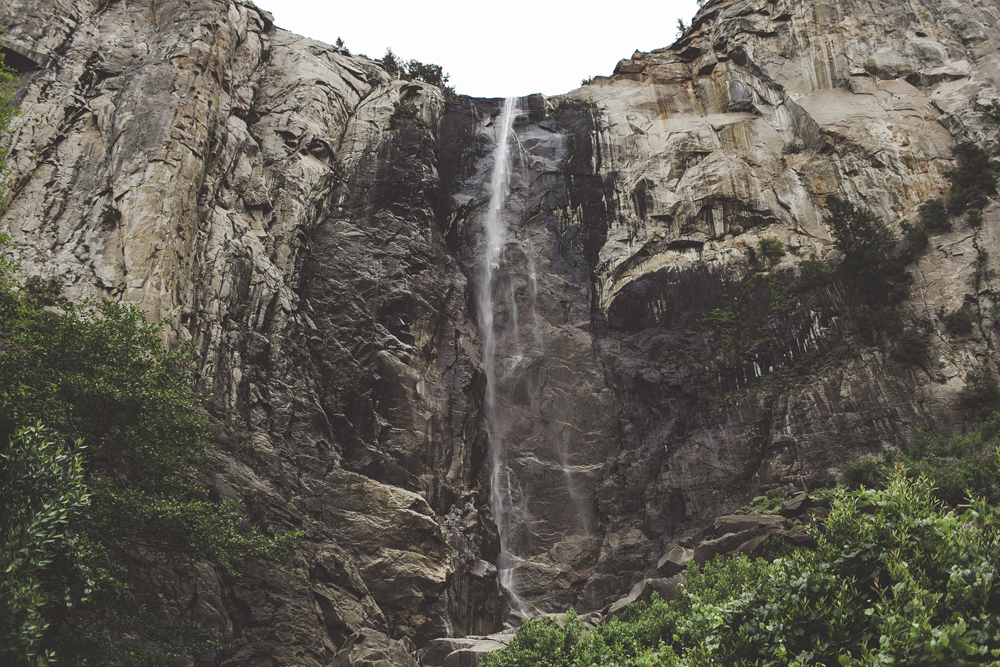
45, 292
405, 111
897, 578
791, 148
934, 216
110, 217
973, 180
416, 70
925, 443
981, 394
812, 275
962, 465
960, 321
871, 270
912, 347
975, 218
8, 111
915, 240
101, 376
42, 501
981, 269
870, 472
390, 63
771, 249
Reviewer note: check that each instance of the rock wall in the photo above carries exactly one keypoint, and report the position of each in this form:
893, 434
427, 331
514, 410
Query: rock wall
740, 130
260, 189
253, 186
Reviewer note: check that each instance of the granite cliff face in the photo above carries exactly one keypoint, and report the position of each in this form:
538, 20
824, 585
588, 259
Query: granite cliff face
258, 188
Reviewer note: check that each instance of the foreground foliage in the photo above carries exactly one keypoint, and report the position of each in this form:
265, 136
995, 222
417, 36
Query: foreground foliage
897, 578
101, 443
961, 465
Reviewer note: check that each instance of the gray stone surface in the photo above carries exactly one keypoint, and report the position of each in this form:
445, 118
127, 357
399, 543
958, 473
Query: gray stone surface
198, 161
461, 652
369, 648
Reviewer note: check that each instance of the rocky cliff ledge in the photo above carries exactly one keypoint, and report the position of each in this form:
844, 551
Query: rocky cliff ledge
257, 187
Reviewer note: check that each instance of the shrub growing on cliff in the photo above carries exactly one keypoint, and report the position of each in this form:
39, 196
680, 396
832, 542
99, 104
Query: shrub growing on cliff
934, 216
912, 347
100, 375
405, 111
963, 464
791, 148
960, 321
813, 274
771, 249
871, 267
975, 218
8, 111
981, 394
415, 70
973, 180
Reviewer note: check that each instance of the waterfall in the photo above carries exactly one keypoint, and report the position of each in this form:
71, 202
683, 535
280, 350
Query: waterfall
495, 228
541, 452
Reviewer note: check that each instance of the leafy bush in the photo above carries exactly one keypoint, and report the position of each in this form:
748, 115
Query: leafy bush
8, 111
869, 472
975, 218
897, 578
960, 321
771, 249
871, 268
791, 148
812, 275
973, 180
416, 70
981, 269
101, 376
963, 464
934, 216
915, 240
912, 347
390, 63
981, 394
405, 111
42, 500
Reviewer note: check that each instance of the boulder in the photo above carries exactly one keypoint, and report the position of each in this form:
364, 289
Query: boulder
667, 588
797, 504
674, 561
370, 648
738, 523
461, 651
798, 538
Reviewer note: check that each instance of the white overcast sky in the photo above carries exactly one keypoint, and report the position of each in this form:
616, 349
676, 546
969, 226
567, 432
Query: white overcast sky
493, 49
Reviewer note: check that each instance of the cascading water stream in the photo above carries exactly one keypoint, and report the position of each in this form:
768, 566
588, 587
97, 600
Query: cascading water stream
539, 484
496, 231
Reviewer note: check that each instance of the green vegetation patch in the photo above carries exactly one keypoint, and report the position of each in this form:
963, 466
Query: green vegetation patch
974, 179
960, 321
964, 464
897, 578
102, 443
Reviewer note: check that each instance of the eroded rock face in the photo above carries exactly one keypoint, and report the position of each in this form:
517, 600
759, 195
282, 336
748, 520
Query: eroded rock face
737, 131
256, 187
252, 185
